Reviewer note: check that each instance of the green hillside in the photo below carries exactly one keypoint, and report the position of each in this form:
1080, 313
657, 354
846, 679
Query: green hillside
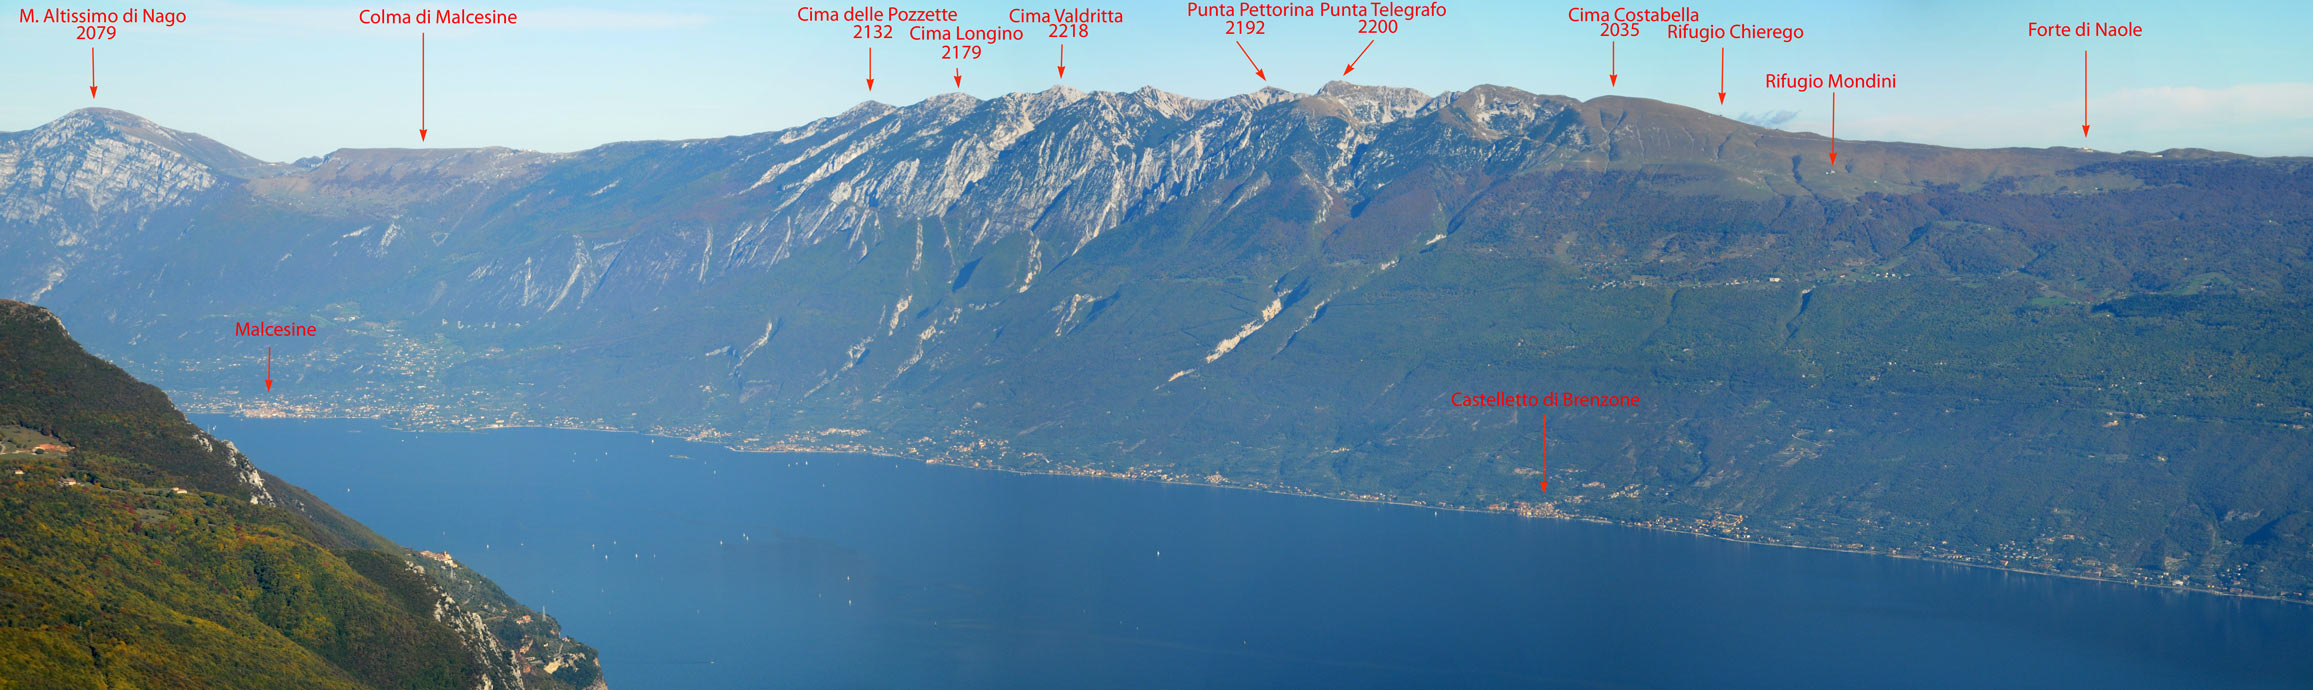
139, 559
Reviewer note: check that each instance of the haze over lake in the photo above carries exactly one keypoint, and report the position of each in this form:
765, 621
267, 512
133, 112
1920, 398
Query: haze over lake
690, 566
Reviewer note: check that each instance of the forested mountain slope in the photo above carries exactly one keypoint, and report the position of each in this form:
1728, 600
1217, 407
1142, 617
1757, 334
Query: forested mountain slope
138, 551
2053, 359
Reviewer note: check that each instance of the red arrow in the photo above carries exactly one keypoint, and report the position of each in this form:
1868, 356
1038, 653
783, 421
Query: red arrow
1611, 77
268, 368
959, 77
92, 71
1722, 76
1064, 61
421, 115
1545, 471
1249, 60
1360, 56
871, 68
2083, 93
1834, 128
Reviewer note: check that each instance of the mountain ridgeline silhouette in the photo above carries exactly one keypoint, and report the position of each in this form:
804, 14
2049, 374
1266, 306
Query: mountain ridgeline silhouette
2046, 359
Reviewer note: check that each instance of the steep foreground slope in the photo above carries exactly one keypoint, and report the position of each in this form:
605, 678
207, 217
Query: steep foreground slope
138, 551
2055, 359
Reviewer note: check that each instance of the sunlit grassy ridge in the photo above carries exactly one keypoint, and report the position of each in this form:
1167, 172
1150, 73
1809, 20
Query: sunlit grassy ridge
124, 572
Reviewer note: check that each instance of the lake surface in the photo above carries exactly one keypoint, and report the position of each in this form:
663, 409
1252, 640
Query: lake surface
690, 566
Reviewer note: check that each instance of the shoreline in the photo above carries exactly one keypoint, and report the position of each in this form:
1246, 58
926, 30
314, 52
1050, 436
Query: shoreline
1564, 517
1603, 522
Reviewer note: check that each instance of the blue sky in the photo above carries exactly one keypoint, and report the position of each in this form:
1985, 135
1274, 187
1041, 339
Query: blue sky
287, 80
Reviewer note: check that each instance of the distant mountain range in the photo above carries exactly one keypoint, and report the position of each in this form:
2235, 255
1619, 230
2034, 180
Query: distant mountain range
2046, 359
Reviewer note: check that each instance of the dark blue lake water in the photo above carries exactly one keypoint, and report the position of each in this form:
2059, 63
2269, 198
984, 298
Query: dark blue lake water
742, 570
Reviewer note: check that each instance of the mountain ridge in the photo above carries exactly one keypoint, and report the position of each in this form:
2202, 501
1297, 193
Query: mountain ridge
1264, 96
148, 552
1896, 353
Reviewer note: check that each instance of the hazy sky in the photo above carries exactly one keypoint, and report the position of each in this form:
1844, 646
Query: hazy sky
287, 80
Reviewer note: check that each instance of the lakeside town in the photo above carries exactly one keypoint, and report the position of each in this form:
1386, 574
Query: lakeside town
963, 449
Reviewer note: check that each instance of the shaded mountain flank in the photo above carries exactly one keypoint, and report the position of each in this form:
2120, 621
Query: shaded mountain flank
2057, 360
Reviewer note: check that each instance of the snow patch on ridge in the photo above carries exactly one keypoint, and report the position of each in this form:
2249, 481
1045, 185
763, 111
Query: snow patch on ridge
706, 253
1075, 302
55, 276
769, 327
1275, 306
1035, 261
896, 311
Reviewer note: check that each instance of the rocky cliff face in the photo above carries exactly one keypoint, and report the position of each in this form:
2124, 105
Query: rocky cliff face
98, 162
72, 189
1283, 290
1056, 168
526, 648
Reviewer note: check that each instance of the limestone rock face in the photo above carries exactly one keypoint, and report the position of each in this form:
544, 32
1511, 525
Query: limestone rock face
1272, 287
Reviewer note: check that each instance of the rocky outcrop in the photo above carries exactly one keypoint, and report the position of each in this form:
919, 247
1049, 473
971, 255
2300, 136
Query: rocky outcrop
521, 648
1281, 288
